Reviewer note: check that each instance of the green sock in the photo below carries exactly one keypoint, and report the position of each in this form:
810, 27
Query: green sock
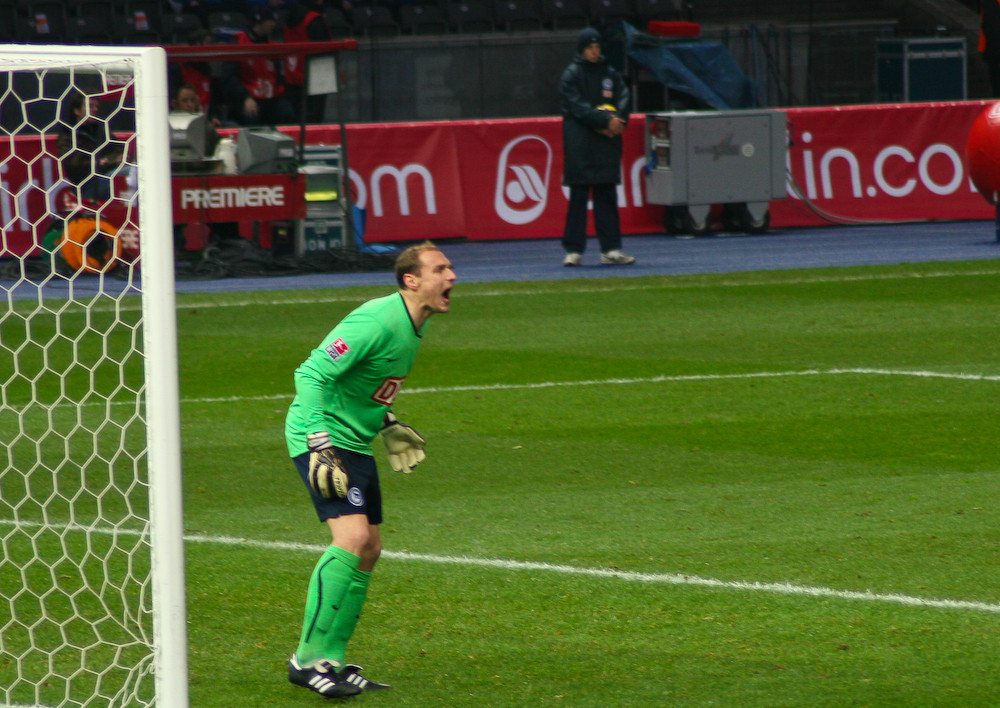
347, 618
331, 580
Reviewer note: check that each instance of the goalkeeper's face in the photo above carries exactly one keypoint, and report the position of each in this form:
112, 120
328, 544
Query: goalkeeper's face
435, 281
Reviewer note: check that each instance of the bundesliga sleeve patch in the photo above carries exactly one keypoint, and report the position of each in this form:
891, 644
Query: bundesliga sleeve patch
337, 348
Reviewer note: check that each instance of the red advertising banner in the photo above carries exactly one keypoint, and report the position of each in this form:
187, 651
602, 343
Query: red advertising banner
886, 162
852, 163
487, 179
26, 203
212, 198
501, 179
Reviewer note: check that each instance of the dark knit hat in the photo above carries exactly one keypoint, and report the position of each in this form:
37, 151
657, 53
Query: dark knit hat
587, 37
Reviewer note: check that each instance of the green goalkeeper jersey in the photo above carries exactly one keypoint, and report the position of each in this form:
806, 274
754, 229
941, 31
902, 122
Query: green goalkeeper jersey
347, 384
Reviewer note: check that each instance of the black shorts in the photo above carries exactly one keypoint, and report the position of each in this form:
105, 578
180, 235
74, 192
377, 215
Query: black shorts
364, 496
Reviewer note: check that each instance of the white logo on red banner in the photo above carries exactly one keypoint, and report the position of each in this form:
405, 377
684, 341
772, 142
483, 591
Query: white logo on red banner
229, 197
522, 187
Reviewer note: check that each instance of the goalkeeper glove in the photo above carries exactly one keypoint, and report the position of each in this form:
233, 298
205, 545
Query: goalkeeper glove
326, 472
404, 444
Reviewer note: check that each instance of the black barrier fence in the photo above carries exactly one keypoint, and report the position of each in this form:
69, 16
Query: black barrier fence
516, 74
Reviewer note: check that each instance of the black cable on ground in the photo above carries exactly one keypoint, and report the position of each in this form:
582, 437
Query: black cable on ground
843, 220
236, 259
243, 259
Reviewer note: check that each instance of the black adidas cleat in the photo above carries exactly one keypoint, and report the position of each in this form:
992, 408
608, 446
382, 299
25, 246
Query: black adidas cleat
321, 677
351, 674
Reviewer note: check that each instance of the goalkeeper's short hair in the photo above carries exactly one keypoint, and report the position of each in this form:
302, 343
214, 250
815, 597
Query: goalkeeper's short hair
409, 260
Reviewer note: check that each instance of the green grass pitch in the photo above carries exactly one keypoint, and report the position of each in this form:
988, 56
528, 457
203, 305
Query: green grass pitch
819, 433
761, 489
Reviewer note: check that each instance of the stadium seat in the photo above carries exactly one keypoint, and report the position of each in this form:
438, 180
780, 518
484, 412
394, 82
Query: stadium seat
423, 19
517, 15
471, 16
144, 12
374, 21
92, 9
89, 30
340, 26
607, 12
45, 23
178, 28
127, 32
22, 6
564, 14
646, 10
228, 22
9, 23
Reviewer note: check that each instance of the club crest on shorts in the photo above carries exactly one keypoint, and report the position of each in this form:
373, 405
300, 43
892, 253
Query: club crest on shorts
355, 497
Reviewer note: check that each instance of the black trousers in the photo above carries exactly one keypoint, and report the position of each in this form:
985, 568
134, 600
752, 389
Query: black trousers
609, 233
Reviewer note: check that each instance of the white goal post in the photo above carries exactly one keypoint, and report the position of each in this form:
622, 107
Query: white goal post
92, 606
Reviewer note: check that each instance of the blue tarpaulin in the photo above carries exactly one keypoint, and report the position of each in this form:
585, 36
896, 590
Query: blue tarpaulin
705, 70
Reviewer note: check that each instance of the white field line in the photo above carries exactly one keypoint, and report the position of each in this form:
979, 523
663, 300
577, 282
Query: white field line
602, 573
667, 283
678, 282
645, 380
587, 382
662, 578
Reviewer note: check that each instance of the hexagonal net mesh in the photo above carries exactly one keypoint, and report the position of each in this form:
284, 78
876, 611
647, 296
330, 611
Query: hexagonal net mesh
76, 586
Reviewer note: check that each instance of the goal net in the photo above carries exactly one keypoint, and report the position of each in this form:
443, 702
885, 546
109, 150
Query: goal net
91, 560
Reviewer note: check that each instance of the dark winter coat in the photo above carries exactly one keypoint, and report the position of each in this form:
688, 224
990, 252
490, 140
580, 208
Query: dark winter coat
588, 156
82, 147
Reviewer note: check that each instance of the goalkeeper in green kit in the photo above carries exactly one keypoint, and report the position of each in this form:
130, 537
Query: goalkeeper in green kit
344, 391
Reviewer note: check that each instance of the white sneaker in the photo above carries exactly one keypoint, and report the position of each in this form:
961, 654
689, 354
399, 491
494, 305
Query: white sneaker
616, 257
572, 260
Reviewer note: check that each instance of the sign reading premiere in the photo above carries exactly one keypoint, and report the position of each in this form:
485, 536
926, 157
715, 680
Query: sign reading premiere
238, 198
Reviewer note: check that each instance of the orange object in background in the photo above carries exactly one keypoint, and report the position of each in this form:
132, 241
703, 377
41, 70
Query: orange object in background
89, 245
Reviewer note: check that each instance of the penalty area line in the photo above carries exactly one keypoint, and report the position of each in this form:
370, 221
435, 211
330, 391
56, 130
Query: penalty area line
541, 385
777, 588
679, 378
631, 576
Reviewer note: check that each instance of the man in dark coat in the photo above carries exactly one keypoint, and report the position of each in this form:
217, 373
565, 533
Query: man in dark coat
595, 108
90, 155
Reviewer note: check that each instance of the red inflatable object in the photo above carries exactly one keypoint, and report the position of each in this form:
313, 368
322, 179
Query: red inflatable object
983, 153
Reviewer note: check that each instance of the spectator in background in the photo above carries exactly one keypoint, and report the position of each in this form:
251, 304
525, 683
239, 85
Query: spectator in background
305, 24
989, 41
255, 88
197, 74
89, 156
595, 106
185, 99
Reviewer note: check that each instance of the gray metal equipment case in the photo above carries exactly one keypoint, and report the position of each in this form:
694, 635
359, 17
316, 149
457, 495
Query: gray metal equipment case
700, 158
